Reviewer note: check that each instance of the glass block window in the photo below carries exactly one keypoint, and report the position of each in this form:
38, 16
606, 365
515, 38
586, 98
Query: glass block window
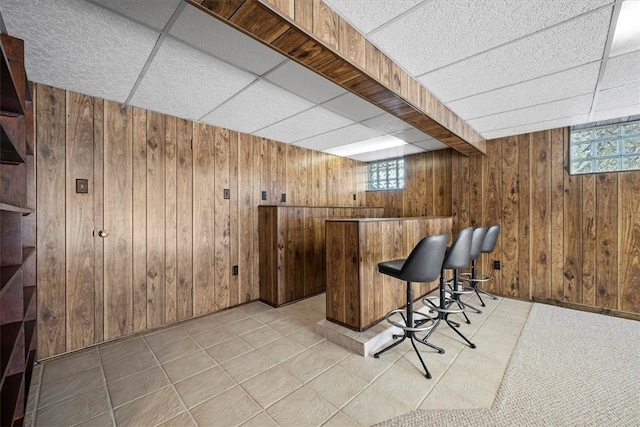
606, 148
386, 175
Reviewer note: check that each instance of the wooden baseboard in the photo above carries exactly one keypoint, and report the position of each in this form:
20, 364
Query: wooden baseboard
589, 308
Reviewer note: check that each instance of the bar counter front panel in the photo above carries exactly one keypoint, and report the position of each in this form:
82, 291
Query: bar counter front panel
358, 296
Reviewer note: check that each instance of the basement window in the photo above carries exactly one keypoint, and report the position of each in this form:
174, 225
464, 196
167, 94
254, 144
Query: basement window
607, 148
386, 175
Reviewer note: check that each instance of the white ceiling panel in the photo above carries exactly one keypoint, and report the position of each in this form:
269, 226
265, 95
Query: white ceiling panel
304, 125
154, 13
300, 80
79, 46
203, 31
353, 107
403, 150
565, 84
622, 70
574, 43
367, 15
620, 96
539, 126
444, 31
412, 135
187, 83
614, 113
431, 145
553, 110
387, 124
256, 107
627, 37
345, 135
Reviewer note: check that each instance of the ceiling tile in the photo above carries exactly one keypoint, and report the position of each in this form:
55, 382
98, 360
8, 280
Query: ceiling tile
574, 43
204, 32
187, 83
79, 46
367, 15
342, 136
412, 135
621, 70
300, 80
431, 145
304, 125
625, 38
387, 124
403, 150
154, 13
444, 31
618, 97
615, 113
565, 84
257, 106
539, 113
540, 126
353, 107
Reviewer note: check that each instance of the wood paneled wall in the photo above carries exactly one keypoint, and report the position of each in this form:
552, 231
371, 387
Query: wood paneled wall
156, 185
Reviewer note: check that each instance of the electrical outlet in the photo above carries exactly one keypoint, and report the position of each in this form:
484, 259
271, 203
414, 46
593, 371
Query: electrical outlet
354, 197
283, 198
264, 195
226, 193
234, 270
497, 265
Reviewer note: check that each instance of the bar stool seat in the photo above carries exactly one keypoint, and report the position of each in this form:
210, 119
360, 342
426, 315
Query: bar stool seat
422, 265
488, 245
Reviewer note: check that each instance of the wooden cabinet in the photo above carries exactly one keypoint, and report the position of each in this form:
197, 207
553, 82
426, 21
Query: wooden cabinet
17, 234
292, 249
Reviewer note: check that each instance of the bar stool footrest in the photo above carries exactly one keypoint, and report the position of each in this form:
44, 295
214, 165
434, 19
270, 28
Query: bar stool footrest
422, 322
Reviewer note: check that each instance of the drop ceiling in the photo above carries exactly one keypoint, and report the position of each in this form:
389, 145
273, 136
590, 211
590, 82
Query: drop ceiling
505, 67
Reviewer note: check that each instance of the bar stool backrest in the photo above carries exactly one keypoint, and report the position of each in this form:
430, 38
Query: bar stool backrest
458, 255
425, 260
477, 241
489, 243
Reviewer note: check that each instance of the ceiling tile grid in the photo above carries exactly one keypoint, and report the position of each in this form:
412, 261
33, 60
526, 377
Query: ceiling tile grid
79, 46
403, 150
431, 144
367, 15
353, 107
538, 126
309, 123
304, 82
387, 124
628, 110
621, 96
153, 13
342, 136
622, 70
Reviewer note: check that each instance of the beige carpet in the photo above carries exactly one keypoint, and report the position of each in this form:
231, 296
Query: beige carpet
569, 368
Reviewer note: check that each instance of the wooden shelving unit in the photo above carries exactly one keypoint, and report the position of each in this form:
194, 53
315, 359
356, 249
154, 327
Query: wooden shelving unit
17, 234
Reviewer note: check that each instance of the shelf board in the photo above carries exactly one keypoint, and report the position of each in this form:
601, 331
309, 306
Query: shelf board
12, 208
8, 152
10, 334
8, 273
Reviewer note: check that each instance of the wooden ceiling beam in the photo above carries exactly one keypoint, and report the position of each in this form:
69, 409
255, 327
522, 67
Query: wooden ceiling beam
310, 33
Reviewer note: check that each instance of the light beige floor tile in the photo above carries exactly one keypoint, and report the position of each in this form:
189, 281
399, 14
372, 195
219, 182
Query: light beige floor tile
303, 407
74, 410
232, 407
365, 368
213, 337
229, 349
102, 420
122, 348
281, 349
136, 385
191, 364
255, 307
410, 387
331, 351
306, 337
70, 386
165, 336
271, 386
306, 365
69, 364
207, 384
287, 326
153, 409
176, 350
182, 420
341, 420
136, 362
243, 326
372, 406
247, 365
261, 420
337, 386
270, 316
261, 336
230, 316
200, 325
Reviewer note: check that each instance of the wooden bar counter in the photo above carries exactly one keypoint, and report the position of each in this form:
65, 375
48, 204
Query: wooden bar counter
292, 249
357, 295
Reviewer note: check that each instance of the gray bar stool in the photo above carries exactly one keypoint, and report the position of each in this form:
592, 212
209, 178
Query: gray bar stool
488, 246
457, 257
422, 265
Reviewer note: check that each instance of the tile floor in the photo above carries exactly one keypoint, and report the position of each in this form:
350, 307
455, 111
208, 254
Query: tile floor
258, 366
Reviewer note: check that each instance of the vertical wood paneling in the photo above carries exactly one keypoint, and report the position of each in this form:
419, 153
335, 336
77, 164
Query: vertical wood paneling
510, 216
245, 223
607, 240
50, 134
556, 283
629, 235
265, 172
256, 194
572, 273
492, 201
80, 281
221, 218
98, 217
118, 213
139, 219
589, 239
184, 202
171, 220
234, 211
524, 218
540, 215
